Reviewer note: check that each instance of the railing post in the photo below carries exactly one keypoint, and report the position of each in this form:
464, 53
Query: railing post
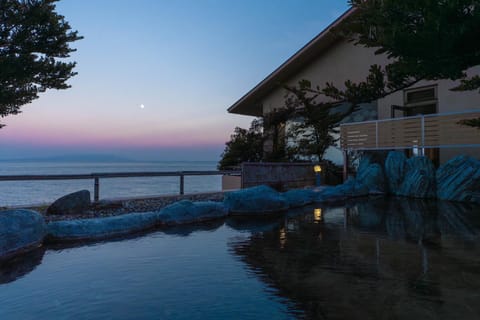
345, 165
423, 134
182, 183
96, 191
376, 134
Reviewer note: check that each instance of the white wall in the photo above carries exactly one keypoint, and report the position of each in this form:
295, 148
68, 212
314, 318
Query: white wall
344, 61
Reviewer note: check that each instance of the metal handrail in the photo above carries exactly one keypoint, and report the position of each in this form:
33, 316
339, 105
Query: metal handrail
108, 175
419, 116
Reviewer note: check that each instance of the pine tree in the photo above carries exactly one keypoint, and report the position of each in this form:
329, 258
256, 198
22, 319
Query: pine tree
34, 40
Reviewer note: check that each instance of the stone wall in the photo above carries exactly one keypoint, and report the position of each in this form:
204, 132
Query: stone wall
281, 176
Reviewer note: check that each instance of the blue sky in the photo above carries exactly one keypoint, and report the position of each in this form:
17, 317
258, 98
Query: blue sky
185, 61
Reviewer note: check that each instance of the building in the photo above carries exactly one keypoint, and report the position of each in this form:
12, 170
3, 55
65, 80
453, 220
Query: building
422, 119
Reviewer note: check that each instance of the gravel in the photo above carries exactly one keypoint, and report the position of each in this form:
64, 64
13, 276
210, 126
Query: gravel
115, 207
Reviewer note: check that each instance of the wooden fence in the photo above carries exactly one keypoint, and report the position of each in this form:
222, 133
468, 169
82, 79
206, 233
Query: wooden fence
423, 131
97, 176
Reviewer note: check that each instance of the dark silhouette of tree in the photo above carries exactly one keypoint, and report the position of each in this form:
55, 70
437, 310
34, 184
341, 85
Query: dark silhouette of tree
275, 134
314, 126
34, 40
244, 146
424, 39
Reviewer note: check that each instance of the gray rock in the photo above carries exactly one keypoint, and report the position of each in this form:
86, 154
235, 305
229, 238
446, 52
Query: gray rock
364, 162
185, 211
299, 197
101, 228
350, 189
20, 231
256, 200
459, 179
419, 181
73, 203
372, 177
395, 165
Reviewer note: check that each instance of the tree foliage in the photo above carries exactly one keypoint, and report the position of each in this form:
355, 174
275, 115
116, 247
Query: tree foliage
274, 124
424, 39
317, 127
244, 146
34, 40
471, 122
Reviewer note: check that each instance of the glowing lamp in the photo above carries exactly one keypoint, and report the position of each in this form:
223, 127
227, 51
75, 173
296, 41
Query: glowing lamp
317, 215
318, 169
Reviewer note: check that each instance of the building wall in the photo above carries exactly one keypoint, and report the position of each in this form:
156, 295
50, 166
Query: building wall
345, 61
447, 101
342, 62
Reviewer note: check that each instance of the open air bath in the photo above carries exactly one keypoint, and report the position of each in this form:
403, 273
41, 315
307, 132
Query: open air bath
414, 258
239, 160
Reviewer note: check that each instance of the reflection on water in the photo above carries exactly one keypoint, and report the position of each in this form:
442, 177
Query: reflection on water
371, 259
21, 265
375, 259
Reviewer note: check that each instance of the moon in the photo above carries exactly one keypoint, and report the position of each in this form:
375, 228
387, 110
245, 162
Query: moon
142, 106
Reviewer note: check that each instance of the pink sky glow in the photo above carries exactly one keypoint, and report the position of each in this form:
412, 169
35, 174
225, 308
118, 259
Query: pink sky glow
185, 63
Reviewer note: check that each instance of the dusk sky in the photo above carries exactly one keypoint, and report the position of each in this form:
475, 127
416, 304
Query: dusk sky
185, 61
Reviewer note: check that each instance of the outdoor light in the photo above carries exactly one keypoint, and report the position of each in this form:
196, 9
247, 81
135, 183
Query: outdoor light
318, 169
317, 215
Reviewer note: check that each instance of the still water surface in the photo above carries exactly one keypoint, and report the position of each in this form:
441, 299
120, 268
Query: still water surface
373, 259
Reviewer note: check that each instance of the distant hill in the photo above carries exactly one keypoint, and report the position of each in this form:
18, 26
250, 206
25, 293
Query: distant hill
74, 158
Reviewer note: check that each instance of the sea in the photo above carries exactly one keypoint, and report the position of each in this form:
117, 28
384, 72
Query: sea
20, 193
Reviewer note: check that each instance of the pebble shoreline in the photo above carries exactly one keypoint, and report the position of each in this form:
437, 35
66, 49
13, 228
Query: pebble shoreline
110, 208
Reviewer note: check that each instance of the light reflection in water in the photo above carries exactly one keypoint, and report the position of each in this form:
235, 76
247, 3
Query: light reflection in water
379, 259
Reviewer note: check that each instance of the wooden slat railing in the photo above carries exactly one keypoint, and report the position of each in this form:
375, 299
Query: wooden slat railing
423, 131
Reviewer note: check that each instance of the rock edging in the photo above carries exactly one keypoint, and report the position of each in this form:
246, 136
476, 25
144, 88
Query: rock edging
100, 228
20, 231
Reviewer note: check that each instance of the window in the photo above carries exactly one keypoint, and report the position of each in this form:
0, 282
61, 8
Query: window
420, 101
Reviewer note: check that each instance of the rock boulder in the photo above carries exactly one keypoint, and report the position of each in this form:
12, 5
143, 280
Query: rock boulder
395, 166
350, 189
73, 203
299, 197
419, 180
254, 201
101, 228
185, 211
372, 177
20, 231
459, 179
